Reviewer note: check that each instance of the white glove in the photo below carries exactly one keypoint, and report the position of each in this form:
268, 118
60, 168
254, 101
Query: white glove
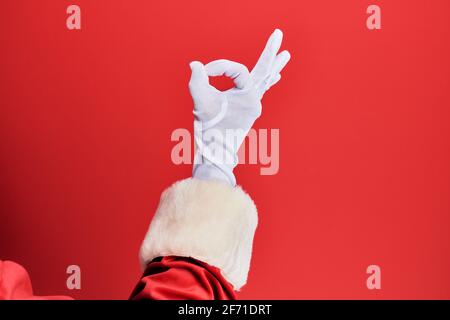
224, 118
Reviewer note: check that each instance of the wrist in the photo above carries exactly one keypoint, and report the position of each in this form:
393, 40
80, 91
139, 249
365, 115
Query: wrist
209, 171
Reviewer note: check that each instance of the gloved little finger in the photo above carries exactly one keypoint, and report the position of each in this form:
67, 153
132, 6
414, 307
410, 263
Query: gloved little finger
273, 81
280, 62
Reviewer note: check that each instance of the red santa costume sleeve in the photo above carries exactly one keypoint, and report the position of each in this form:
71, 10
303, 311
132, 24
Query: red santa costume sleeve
167, 278
175, 278
198, 246
204, 229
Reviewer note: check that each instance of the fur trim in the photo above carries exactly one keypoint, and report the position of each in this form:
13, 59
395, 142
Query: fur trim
207, 220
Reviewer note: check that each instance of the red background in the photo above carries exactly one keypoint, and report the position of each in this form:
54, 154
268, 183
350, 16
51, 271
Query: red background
86, 118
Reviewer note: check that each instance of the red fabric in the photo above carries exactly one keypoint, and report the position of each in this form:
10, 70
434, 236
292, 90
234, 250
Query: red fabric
15, 284
177, 278
165, 278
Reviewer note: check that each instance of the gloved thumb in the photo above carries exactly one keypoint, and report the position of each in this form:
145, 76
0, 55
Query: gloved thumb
198, 76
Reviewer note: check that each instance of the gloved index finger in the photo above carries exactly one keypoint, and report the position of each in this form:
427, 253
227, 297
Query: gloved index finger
236, 71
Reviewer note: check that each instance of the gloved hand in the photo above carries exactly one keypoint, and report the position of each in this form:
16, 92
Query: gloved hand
224, 118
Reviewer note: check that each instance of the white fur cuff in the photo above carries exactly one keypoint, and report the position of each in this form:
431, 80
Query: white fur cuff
206, 220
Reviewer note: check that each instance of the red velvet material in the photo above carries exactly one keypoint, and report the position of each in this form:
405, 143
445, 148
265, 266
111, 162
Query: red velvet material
168, 278
15, 284
177, 278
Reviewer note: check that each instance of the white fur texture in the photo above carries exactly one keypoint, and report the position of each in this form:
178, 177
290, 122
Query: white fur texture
206, 220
